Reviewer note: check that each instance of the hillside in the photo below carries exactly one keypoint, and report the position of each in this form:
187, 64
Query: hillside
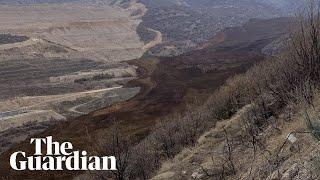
167, 86
177, 89
263, 124
284, 150
187, 23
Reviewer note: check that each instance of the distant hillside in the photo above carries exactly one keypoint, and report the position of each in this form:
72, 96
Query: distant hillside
287, 6
33, 1
24, 2
187, 23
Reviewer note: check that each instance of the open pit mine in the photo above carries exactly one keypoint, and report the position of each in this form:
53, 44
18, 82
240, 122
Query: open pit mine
60, 60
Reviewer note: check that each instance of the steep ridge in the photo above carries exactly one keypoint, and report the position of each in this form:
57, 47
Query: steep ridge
290, 145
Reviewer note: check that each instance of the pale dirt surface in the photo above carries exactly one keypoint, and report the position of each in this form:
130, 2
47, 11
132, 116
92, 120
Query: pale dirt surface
24, 116
103, 32
129, 71
69, 42
93, 30
29, 117
29, 42
31, 102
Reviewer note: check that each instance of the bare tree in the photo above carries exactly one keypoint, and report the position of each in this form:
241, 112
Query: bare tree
229, 153
120, 147
165, 136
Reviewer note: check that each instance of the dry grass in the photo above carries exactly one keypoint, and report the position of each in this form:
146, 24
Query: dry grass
208, 156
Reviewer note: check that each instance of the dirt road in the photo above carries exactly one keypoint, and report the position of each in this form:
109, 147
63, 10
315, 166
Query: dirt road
74, 109
29, 42
157, 40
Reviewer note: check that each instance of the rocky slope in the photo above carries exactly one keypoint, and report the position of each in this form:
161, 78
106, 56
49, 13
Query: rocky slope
286, 152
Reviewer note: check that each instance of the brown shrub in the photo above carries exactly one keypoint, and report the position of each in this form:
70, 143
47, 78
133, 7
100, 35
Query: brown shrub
229, 97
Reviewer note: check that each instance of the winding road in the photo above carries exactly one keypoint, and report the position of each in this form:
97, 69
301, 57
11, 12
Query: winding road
157, 40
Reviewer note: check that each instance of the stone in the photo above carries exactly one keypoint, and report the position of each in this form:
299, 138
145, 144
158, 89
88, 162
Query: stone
292, 138
291, 172
197, 175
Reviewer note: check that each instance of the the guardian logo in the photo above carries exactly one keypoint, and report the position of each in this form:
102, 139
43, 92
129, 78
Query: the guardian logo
58, 157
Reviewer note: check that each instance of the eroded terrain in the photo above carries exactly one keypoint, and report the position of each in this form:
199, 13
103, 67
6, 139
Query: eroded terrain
60, 60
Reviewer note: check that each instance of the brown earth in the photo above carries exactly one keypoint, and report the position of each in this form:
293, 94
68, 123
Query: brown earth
168, 84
